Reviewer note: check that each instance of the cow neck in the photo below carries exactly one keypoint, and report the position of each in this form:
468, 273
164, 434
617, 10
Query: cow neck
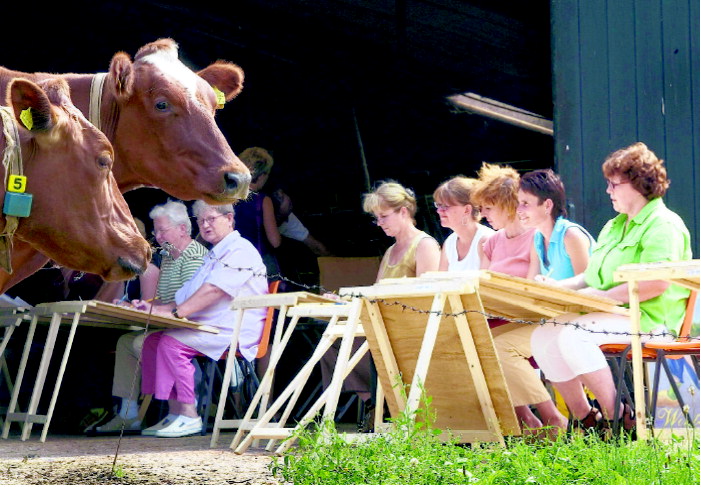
12, 163
98, 101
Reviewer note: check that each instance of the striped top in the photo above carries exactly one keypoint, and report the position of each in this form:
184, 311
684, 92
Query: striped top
175, 272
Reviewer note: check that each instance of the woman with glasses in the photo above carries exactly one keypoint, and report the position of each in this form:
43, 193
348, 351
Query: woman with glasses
509, 251
462, 250
644, 230
232, 268
179, 258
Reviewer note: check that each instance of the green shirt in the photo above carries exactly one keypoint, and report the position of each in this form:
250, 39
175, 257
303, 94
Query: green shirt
656, 234
175, 272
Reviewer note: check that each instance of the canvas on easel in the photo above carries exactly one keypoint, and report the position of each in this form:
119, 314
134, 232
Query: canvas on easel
447, 354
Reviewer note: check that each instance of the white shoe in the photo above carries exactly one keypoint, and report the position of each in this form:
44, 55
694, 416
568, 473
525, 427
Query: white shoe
115, 424
151, 431
181, 426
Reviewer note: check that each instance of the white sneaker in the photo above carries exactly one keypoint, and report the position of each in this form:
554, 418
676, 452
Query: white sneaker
182, 426
151, 431
115, 424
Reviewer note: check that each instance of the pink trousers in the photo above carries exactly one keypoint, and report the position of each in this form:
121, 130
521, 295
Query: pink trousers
166, 368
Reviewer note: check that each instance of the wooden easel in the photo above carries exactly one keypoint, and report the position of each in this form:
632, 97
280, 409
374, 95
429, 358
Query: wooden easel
447, 353
91, 313
464, 377
293, 305
263, 427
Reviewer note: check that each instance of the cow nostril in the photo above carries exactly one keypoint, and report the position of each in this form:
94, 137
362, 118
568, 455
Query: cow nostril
231, 180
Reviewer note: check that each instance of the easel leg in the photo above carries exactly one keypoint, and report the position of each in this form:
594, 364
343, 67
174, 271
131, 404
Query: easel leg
41, 374
321, 401
20, 375
425, 353
59, 378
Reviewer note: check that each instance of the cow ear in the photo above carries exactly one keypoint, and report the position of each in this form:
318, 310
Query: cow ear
24, 94
58, 91
226, 76
122, 74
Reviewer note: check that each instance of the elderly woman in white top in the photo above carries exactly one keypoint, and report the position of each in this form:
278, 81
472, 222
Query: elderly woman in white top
462, 250
233, 268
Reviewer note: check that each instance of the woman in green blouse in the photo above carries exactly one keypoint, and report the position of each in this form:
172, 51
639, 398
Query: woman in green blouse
645, 230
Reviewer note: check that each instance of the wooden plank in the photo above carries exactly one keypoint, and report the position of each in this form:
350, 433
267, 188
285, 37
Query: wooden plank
98, 311
685, 270
553, 293
491, 366
448, 380
410, 287
384, 359
279, 299
320, 310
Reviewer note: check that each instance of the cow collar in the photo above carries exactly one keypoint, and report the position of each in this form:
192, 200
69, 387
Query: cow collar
12, 162
96, 86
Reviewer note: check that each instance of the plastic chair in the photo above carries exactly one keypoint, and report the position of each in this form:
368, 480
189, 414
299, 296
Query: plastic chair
210, 369
619, 356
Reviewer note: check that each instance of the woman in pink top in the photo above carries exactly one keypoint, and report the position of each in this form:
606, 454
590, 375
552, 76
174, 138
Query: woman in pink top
508, 251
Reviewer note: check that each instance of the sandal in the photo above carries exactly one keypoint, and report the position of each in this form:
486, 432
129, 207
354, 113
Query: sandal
626, 424
591, 422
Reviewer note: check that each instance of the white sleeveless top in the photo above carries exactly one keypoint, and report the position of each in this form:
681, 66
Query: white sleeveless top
472, 259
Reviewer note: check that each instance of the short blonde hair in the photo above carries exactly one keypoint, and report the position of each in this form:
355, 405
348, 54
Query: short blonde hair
497, 186
457, 191
257, 160
390, 195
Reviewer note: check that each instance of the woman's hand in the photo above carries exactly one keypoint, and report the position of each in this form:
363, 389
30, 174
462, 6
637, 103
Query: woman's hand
546, 280
141, 305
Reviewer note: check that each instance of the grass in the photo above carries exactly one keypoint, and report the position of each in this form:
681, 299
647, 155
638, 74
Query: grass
412, 453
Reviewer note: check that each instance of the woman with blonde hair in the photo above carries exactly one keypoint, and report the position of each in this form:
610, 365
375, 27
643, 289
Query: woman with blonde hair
509, 251
413, 253
462, 250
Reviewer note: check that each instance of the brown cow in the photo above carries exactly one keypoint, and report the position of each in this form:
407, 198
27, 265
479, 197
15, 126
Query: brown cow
159, 116
78, 216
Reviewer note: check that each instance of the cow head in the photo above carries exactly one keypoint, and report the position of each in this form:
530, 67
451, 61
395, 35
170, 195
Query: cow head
166, 135
79, 218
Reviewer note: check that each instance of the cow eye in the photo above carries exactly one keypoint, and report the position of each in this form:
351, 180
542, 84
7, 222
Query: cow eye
104, 161
162, 106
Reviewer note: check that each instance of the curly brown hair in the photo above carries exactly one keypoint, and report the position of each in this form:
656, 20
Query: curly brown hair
639, 165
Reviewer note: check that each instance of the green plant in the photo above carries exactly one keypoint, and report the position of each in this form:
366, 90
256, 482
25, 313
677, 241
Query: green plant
412, 453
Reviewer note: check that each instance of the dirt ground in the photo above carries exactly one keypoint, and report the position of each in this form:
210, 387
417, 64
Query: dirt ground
77, 460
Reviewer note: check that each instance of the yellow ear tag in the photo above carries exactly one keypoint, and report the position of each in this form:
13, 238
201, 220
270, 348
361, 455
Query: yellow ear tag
16, 183
26, 117
221, 97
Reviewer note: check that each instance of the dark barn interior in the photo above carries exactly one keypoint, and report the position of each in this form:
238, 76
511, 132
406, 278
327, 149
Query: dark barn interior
331, 85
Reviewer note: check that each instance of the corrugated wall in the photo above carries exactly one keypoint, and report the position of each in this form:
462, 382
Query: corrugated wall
626, 71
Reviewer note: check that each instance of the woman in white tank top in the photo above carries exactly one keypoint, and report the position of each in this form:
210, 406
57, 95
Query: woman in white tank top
463, 248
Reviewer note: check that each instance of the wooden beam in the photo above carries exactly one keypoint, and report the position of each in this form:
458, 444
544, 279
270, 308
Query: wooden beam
505, 113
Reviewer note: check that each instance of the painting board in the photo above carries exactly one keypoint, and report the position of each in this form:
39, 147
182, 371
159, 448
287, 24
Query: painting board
463, 376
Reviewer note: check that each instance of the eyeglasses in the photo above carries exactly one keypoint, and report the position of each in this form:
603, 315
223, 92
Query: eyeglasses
156, 231
612, 185
440, 207
380, 218
209, 220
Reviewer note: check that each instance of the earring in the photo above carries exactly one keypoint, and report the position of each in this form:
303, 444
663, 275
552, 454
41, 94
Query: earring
465, 220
